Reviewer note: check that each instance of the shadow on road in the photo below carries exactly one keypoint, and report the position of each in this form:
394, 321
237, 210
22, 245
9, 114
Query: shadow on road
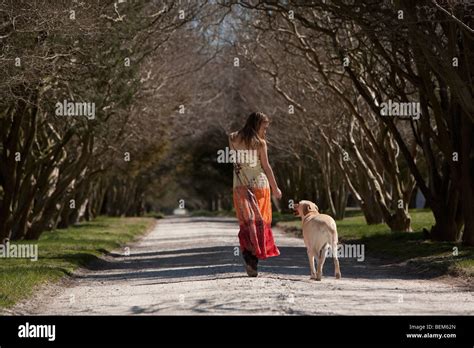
220, 261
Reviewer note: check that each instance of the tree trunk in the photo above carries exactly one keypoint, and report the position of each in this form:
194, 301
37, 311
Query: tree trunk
467, 173
400, 221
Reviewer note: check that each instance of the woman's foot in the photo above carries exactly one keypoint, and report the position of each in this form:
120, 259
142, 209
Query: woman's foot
251, 272
251, 262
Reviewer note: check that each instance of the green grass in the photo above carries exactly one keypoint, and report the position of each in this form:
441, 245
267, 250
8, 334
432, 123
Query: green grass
412, 248
63, 251
278, 217
156, 215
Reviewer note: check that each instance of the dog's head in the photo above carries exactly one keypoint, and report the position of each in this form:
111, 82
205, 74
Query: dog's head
303, 208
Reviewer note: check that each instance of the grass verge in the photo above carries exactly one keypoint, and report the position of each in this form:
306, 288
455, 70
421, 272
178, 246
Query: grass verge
60, 252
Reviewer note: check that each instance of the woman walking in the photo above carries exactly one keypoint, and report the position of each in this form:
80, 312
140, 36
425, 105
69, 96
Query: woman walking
253, 178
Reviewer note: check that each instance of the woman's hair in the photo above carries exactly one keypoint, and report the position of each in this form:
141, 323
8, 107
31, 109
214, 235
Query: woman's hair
249, 132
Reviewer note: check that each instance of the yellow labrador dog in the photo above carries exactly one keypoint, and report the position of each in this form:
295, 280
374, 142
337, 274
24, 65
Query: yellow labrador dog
319, 233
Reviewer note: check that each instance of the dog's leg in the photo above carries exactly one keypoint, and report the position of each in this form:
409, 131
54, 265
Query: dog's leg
321, 259
311, 264
336, 262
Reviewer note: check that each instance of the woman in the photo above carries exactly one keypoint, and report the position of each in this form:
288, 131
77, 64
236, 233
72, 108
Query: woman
252, 182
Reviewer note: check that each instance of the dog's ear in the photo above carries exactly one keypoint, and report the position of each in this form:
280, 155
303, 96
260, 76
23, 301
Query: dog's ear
306, 209
309, 208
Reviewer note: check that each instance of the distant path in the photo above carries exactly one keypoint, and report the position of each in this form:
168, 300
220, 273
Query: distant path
187, 266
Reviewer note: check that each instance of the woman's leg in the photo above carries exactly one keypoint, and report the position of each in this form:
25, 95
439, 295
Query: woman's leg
250, 263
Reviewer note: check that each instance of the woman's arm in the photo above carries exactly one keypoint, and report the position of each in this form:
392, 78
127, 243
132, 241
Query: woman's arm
268, 170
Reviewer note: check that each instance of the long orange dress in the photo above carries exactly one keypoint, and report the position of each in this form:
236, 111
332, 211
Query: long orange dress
253, 208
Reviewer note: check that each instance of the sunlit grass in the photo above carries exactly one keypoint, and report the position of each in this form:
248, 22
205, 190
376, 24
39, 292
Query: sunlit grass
62, 251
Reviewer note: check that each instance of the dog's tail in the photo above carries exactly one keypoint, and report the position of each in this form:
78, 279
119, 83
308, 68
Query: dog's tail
335, 239
334, 228
334, 249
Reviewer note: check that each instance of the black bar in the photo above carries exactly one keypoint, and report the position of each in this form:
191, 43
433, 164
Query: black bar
258, 330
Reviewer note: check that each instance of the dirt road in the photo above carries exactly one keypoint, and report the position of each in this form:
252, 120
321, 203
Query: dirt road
190, 266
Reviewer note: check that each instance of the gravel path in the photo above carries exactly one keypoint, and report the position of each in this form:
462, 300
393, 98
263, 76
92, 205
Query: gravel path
188, 266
